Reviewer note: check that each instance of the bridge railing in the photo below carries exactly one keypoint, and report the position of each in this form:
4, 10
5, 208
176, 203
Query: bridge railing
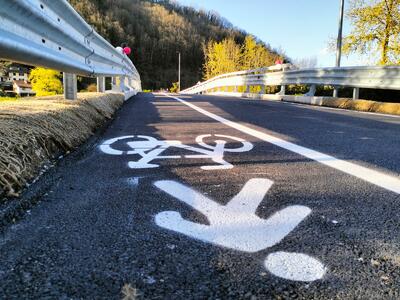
50, 33
369, 77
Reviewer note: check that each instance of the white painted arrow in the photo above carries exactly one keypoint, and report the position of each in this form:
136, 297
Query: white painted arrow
234, 225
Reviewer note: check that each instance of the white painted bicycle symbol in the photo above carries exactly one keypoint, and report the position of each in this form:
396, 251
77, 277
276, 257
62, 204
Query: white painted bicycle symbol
150, 149
234, 225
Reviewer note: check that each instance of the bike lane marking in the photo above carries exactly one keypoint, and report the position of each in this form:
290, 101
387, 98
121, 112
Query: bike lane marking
150, 149
236, 226
375, 177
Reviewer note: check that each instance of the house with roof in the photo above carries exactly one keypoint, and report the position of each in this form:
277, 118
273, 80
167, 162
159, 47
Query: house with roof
23, 88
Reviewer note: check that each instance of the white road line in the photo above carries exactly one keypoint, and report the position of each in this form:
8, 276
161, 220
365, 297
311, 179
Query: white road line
377, 178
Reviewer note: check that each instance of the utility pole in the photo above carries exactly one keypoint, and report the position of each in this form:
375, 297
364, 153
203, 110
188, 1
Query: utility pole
339, 43
340, 33
179, 71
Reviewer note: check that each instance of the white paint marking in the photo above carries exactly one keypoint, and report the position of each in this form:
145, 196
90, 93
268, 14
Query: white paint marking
134, 181
106, 146
295, 266
377, 178
234, 225
151, 149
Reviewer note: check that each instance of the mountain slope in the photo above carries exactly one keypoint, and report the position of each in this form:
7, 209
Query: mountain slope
156, 30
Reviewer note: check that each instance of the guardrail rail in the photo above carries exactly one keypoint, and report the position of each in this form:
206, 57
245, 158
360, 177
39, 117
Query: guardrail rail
370, 77
50, 33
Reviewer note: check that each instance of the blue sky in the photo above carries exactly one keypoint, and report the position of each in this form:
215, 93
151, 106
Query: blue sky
302, 28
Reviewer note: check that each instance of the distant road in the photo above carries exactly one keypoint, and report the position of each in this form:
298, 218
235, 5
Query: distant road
195, 197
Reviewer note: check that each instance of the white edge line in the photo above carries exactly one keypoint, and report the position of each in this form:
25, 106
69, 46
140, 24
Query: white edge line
377, 178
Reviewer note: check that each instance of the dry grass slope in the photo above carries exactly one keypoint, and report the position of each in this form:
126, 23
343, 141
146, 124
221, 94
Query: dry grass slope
364, 105
35, 131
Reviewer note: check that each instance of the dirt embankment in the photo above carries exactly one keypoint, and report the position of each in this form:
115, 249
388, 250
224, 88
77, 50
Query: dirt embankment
34, 131
364, 105
347, 103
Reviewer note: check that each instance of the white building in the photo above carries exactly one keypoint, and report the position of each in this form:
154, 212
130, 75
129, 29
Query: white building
23, 88
16, 72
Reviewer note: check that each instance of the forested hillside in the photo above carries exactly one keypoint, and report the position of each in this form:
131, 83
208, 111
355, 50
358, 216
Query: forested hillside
156, 30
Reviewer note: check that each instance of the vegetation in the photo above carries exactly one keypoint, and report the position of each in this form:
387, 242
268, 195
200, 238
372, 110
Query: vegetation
175, 87
156, 30
4, 65
33, 132
46, 82
8, 99
228, 56
92, 88
376, 29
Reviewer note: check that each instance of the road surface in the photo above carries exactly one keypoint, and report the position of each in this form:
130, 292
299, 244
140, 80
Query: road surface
201, 197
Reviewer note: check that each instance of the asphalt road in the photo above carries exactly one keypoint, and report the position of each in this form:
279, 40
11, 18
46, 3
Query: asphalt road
215, 198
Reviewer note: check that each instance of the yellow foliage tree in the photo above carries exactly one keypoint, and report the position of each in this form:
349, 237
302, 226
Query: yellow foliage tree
256, 55
175, 87
228, 56
46, 82
376, 28
221, 57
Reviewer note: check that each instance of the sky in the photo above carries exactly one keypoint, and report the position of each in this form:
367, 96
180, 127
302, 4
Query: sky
302, 28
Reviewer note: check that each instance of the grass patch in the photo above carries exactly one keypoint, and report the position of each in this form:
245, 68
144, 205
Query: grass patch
363, 105
34, 131
8, 99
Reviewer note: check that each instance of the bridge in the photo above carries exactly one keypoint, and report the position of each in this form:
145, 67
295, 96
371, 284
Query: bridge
210, 193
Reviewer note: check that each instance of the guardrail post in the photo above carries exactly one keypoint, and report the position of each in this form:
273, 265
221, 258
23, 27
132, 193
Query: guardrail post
235, 89
282, 92
247, 91
335, 92
356, 93
262, 91
311, 92
130, 83
122, 82
101, 84
114, 86
70, 86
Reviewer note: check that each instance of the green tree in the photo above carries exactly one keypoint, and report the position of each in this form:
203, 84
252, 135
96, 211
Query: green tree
376, 28
4, 65
46, 82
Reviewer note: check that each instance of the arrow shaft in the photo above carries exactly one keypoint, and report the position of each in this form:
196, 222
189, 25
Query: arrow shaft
189, 196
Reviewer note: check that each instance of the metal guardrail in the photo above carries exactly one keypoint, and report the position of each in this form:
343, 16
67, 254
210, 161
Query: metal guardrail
50, 33
232, 78
282, 75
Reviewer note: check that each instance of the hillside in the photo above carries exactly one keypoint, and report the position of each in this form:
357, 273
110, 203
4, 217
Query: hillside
156, 30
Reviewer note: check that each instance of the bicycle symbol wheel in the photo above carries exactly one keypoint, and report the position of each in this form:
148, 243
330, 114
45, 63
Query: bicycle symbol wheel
246, 146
